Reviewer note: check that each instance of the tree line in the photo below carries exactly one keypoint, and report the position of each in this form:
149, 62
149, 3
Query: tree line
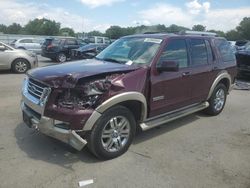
52, 28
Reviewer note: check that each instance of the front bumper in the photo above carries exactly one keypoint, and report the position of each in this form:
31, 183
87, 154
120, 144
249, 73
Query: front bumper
33, 116
47, 126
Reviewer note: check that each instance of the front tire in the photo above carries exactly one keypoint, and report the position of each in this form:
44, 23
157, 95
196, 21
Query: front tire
113, 133
20, 66
217, 100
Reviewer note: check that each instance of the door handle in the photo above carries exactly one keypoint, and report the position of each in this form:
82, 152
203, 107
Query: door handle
185, 73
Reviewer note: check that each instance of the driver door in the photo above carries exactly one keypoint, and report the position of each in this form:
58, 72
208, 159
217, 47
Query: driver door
171, 90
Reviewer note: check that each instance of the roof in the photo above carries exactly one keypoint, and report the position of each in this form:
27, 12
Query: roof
154, 35
168, 35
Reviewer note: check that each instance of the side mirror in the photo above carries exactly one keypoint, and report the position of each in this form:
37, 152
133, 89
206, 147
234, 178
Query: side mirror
2, 48
168, 66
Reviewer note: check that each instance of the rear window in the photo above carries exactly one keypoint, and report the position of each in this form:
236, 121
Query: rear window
47, 42
56, 42
225, 50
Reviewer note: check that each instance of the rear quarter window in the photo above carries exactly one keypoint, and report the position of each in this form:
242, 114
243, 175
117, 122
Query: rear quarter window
225, 50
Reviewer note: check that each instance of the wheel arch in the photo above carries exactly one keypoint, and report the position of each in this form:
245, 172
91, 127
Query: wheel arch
22, 58
223, 77
134, 101
127, 99
21, 47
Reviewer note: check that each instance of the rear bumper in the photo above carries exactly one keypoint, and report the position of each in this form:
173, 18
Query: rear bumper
48, 127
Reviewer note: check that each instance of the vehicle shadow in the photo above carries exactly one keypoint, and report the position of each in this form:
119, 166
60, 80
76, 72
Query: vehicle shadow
41, 147
6, 72
165, 128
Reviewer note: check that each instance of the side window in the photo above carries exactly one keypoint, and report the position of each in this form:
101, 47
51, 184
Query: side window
26, 41
199, 54
176, 50
225, 50
210, 54
100, 40
71, 42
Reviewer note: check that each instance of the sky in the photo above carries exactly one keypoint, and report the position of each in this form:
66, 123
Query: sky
88, 15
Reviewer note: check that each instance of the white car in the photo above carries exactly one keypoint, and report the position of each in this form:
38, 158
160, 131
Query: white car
16, 60
28, 44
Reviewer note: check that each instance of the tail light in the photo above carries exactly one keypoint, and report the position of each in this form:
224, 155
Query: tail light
49, 46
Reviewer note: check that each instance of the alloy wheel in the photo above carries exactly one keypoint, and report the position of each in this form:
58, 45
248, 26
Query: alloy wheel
115, 134
219, 99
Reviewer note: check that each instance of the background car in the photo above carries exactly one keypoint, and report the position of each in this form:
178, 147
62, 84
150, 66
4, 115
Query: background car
17, 60
59, 49
88, 51
28, 44
243, 60
241, 44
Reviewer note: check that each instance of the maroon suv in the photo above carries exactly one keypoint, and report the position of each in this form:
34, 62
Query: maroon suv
140, 81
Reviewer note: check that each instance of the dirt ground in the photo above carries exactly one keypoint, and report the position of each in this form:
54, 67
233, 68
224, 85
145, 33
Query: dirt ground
195, 151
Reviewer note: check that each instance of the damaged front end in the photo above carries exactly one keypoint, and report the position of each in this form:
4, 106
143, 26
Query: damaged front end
63, 112
86, 95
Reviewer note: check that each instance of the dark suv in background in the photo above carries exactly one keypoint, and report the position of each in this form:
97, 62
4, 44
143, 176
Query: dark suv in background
138, 82
59, 49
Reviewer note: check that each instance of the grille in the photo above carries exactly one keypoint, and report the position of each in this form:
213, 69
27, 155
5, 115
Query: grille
35, 88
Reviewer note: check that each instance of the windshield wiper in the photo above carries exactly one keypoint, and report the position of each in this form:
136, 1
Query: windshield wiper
111, 60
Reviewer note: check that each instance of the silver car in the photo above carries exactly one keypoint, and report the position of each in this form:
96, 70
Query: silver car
17, 60
31, 44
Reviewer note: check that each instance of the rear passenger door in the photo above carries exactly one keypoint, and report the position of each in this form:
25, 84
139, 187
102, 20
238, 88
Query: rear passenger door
201, 67
71, 44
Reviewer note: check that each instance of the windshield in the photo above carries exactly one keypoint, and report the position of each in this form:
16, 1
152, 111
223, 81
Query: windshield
129, 51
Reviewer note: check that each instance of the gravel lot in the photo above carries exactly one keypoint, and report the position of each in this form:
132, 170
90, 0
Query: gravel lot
195, 151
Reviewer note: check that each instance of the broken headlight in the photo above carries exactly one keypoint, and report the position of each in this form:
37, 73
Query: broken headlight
84, 96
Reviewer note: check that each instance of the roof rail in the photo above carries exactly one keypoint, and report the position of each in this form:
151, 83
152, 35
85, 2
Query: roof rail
151, 32
201, 33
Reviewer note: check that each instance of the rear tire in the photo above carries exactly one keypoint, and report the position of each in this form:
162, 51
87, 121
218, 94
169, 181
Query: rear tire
217, 100
61, 58
20, 66
113, 133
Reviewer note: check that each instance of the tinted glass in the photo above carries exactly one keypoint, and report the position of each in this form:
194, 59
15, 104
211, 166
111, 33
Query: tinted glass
198, 52
71, 42
209, 52
26, 41
225, 50
56, 42
176, 50
100, 40
91, 39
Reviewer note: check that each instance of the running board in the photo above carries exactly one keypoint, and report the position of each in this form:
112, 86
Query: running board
170, 116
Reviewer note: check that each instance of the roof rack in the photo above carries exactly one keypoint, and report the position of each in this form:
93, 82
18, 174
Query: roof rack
151, 32
201, 33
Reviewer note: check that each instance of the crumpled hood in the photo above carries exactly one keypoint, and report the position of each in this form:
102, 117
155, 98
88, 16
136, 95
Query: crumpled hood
67, 74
